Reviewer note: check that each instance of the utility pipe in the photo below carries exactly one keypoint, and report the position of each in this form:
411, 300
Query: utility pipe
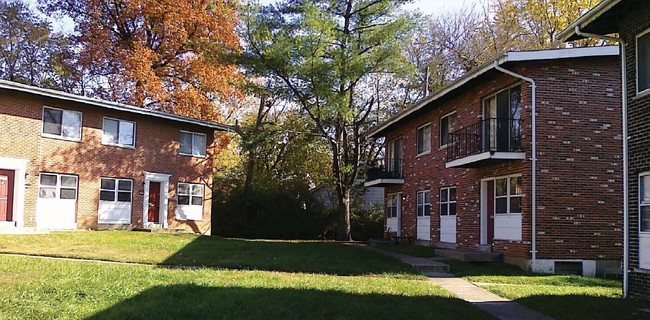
626, 160
534, 158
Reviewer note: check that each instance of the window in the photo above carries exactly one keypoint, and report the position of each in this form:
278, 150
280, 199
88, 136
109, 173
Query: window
391, 206
424, 139
394, 160
115, 190
190, 194
508, 195
192, 144
424, 203
643, 62
57, 186
448, 201
447, 124
60, 123
118, 133
644, 202
502, 117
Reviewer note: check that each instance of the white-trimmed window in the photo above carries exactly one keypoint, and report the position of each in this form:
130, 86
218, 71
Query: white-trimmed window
116, 190
391, 206
644, 202
193, 144
57, 186
424, 203
189, 200
508, 195
448, 201
59, 123
118, 132
447, 125
643, 62
424, 139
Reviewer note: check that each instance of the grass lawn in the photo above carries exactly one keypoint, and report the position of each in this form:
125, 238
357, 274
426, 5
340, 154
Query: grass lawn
335, 282
559, 296
192, 250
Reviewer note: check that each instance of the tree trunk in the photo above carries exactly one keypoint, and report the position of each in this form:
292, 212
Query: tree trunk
343, 210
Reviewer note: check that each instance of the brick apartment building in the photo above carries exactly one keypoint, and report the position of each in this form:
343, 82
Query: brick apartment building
69, 162
631, 20
459, 171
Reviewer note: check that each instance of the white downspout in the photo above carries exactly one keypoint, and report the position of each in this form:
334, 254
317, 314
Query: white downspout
626, 178
534, 158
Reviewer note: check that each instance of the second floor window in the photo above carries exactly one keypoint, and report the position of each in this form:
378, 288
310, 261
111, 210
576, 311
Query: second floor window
192, 144
118, 132
643, 62
447, 124
424, 139
424, 203
61, 123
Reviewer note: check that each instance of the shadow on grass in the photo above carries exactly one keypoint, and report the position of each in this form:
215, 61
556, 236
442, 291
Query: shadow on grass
196, 302
299, 256
582, 307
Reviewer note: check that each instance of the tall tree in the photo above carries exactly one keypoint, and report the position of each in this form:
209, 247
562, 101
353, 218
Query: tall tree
322, 52
28, 48
161, 54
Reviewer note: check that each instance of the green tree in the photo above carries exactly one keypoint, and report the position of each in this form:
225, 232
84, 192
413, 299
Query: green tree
321, 52
28, 47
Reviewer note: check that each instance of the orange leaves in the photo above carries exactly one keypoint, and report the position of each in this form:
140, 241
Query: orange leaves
163, 54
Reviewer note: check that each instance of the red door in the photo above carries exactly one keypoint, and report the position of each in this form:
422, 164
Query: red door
154, 202
6, 195
490, 211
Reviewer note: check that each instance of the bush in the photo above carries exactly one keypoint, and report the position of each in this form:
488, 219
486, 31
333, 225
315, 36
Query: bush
367, 223
271, 210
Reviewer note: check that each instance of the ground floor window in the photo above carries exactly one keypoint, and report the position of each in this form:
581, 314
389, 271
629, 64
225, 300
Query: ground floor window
508, 195
57, 186
391, 206
448, 201
424, 203
115, 197
644, 220
190, 201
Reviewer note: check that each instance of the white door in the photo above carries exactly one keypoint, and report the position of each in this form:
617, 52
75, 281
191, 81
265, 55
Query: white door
424, 215
394, 214
56, 207
448, 215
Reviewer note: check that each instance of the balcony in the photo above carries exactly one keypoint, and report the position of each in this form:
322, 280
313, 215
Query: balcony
486, 142
384, 172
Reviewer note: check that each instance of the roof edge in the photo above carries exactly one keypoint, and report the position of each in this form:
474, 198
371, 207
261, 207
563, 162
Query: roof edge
15, 86
512, 56
569, 33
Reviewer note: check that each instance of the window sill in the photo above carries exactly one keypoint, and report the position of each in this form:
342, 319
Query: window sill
641, 270
423, 154
125, 146
51, 136
193, 156
643, 94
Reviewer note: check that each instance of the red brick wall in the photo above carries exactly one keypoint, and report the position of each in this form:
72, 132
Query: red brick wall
578, 108
637, 20
156, 150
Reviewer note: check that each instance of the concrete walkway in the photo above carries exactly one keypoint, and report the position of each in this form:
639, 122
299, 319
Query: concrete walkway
499, 307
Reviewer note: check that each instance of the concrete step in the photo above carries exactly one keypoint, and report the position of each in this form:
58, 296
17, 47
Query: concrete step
23, 230
469, 255
432, 268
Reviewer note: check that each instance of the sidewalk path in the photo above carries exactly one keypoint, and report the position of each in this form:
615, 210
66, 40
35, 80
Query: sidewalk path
499, 307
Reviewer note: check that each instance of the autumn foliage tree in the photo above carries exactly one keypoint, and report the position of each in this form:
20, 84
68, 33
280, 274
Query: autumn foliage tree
160, 54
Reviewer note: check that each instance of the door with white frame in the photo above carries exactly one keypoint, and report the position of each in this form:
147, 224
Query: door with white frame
501, 209
394, 213
423, 205
448, 215
56, 207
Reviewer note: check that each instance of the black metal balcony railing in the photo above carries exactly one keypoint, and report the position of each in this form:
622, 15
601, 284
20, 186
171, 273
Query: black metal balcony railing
384, 169
488, 135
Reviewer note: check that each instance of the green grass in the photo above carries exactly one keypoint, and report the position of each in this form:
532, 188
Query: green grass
192, 250
412, 250
559, 296
335, 281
